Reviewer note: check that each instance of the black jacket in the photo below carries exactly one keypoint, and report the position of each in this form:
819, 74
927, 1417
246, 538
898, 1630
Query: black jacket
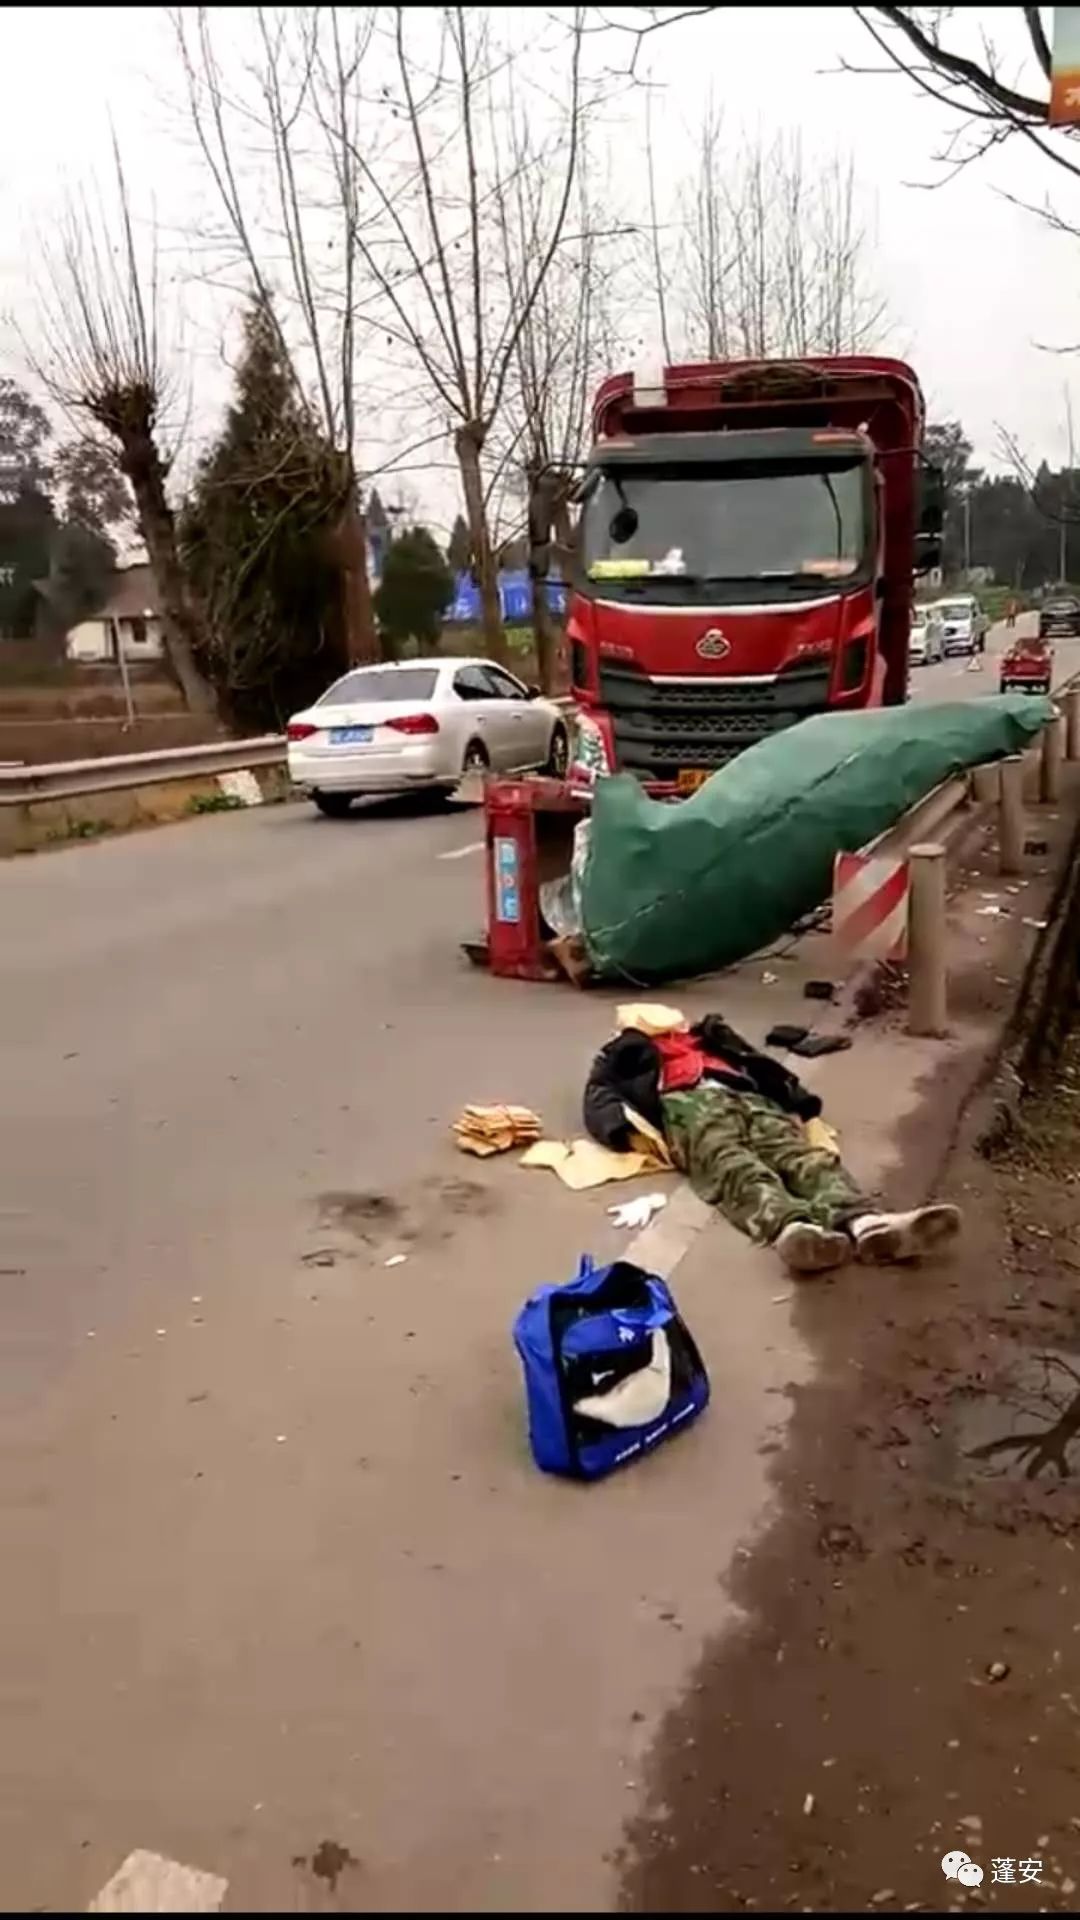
627, 1073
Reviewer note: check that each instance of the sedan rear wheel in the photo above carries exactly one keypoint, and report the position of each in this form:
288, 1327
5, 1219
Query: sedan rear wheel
476, 758
334, 805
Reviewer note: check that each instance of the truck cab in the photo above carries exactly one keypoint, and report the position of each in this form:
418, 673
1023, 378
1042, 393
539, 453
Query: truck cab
745, 557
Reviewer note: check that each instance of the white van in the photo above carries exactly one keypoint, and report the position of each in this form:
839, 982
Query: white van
964, 624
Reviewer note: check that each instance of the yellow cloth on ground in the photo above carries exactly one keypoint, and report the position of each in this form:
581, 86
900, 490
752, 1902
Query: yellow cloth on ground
649, 1016
820, 1135
583, 1163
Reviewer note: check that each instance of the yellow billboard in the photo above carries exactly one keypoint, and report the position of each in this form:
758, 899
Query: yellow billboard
1065, 71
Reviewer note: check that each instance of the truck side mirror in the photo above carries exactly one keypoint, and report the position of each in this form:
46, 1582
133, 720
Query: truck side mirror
931, 498
927, 552
931, 518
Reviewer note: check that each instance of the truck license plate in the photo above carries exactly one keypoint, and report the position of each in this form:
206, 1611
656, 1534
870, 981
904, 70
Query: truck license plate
691, 778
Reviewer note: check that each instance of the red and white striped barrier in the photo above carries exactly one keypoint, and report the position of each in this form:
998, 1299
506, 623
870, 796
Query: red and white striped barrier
870, 905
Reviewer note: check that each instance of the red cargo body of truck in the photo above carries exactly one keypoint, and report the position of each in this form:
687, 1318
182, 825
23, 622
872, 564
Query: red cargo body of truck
746, 556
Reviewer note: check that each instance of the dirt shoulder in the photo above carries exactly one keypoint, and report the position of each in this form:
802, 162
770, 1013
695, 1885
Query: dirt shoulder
908, 1678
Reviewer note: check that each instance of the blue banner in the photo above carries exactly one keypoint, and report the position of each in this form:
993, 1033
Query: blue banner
515, 598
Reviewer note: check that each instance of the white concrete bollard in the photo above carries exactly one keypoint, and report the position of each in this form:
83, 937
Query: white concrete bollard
986, 785
1011, 824
927, 996
1053, 753
1072, 724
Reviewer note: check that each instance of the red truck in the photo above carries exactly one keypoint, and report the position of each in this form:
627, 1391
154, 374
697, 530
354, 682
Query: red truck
749, 536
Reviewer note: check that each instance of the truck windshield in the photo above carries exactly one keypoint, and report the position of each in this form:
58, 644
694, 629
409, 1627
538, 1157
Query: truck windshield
705, 523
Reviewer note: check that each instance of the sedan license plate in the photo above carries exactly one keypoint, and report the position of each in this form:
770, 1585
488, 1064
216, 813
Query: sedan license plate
350, 736
691, 778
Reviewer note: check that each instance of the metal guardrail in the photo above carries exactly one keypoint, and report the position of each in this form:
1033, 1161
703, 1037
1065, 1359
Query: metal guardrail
956, 802
21, 782
117, 773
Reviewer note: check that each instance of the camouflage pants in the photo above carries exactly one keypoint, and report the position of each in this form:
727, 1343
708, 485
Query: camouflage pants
750, 1159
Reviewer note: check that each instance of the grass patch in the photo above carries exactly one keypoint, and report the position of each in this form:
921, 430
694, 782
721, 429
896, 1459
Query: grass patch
214, 803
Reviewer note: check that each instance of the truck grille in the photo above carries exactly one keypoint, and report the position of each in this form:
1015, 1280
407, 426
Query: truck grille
660, 726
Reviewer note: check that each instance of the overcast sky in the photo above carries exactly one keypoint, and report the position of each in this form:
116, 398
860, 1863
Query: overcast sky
973, 284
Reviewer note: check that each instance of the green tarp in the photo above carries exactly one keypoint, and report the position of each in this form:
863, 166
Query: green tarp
681, 889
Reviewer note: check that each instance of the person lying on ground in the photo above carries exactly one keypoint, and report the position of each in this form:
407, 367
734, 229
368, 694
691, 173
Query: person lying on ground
733, 1118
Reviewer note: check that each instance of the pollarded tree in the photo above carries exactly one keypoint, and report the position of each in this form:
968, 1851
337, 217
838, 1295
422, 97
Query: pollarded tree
101, 359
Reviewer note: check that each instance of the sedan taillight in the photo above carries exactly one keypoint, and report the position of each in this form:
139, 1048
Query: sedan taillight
413, 723
300, 730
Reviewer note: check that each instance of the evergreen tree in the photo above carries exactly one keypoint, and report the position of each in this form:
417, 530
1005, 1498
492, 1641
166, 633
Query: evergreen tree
415, 590
258, 539
459, 552
27, 518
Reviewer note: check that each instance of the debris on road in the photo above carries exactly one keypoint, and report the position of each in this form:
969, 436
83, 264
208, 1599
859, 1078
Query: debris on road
610, 1368
488, 1130
396, 1260
807, 1044
819, 990
148, 1883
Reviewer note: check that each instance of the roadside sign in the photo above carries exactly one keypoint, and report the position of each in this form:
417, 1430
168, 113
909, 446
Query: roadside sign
870, 905
1065, 69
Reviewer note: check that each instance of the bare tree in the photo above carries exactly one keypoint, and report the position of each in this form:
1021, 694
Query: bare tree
304, 125
101, 359
558, 353
934, 47
434, 251
707, 242
1055, 496
656, 245
773, 256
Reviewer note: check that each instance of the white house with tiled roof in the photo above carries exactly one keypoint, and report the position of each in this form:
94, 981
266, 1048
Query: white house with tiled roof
129, 618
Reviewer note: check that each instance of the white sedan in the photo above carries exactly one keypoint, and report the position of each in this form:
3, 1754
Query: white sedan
926, 643
421, 724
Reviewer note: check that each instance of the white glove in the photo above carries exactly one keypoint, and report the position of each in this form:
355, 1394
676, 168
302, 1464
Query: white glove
637, 1213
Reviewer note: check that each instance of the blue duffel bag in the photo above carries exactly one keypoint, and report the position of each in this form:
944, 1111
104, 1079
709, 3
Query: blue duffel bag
613, 1330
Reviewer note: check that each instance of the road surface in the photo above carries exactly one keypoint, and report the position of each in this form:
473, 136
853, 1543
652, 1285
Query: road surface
958, 680
283, 1598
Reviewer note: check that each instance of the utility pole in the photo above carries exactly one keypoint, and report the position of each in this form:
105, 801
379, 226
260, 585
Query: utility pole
1063, 552
967, 532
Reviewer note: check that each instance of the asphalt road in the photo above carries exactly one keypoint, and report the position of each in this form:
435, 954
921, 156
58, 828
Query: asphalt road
277, 1572
958, 680
277, 1569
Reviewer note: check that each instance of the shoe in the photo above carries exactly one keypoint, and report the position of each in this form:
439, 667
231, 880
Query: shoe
882, 1239
806, 1248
